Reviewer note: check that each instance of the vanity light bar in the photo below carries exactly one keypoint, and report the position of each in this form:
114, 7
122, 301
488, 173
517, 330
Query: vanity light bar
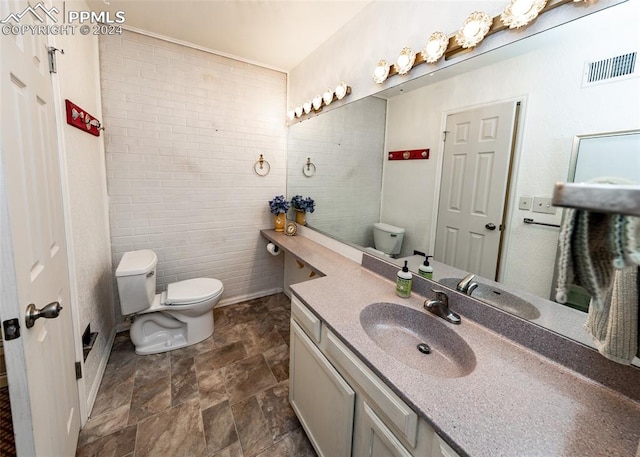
453, 47
315, 105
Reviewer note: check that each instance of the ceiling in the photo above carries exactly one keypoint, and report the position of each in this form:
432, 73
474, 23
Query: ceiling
277, 34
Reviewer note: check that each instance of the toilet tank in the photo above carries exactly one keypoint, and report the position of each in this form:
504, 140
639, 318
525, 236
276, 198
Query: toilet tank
136, 278
387, 238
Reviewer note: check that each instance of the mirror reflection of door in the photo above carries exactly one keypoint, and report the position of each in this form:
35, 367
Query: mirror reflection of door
475, 176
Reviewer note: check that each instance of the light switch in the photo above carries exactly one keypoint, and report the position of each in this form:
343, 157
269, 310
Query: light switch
525, 203
543, 205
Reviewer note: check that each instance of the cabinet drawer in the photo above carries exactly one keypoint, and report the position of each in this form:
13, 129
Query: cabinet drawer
403, 418
306, 319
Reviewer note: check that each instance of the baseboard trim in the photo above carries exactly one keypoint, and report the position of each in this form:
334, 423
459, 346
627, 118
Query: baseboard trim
247, 297
104, 358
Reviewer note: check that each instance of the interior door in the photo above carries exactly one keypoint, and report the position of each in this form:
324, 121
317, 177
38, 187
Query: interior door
477, 156
40, 364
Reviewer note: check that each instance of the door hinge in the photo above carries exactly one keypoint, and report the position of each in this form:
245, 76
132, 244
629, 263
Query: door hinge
444, 135
51, 51
78, 370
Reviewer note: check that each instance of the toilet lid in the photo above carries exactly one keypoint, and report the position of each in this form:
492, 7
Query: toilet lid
193, 290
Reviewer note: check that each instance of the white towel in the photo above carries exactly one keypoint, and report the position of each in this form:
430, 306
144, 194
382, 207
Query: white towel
614, 327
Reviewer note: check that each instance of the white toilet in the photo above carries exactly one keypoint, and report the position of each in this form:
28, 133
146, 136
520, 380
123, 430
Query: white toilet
179, 317
387, 239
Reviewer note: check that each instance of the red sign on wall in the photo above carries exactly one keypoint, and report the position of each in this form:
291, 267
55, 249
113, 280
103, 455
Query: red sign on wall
79, 118
409, 154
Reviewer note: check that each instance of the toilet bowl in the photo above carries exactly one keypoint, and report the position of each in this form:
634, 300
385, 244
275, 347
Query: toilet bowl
179, 317
387, 239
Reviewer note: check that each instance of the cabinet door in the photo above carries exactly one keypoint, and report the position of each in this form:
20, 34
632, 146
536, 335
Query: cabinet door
321, 399
376, 439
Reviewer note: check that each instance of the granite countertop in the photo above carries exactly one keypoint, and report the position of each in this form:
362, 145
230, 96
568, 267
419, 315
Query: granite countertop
514, 402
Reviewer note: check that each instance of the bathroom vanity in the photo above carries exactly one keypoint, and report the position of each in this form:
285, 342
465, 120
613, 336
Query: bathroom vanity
360, 391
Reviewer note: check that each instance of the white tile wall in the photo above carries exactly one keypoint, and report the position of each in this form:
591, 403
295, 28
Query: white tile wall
183, 131
355, 135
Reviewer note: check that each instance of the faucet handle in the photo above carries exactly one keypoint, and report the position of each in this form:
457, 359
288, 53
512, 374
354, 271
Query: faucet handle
441, 296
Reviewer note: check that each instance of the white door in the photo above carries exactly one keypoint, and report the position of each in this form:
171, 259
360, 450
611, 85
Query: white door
40, 364
477, 155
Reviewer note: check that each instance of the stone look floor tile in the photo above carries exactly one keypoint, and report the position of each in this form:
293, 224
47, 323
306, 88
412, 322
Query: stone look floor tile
252, 428
151, 367
211, 388
176, 431
118, 444
220, 357
104, 424
219, 427
149, 399
280, 418
278, 360
247, 377
223, 397
184, 382
235, 450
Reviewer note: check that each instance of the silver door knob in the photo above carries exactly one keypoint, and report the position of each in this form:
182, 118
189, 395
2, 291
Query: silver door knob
51, 311
490, 226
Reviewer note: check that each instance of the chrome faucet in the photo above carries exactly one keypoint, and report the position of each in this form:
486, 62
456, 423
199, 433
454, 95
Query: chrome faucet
440, 307
467, 284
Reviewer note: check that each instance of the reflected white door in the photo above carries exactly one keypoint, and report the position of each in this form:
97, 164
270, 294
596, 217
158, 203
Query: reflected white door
475, 173
40, 364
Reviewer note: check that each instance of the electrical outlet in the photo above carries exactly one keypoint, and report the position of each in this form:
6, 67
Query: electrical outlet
525, 203
543, 205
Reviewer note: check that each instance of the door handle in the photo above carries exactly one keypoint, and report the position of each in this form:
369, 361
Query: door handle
51, 311
490, 226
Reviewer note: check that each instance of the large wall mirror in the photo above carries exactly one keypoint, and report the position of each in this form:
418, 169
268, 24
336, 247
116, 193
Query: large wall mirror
541, 79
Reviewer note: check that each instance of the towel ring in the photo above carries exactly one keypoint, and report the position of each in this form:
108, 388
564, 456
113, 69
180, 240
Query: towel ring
309, 169
261, 167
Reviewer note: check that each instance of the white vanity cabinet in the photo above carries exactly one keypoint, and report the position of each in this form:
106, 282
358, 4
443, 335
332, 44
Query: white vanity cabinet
338, 398
321, 399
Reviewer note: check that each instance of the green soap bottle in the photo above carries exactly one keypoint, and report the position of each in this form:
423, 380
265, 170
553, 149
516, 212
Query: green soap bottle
425, 270
404, 281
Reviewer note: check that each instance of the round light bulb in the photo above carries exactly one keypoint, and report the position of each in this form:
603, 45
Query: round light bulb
341, 90
298, 111
306, 106
317, 102
327, 97
291, 114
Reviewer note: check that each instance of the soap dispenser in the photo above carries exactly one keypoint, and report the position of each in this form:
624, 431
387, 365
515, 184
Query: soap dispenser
403, 282
425, 270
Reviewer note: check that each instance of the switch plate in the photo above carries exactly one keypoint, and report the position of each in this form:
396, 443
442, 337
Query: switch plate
543, 205
525, 203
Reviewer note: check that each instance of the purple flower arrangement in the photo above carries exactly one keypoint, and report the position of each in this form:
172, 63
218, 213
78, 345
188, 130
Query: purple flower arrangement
300, 203
278, 205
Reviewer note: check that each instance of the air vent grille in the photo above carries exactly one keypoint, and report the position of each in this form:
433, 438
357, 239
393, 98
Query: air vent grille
609, 69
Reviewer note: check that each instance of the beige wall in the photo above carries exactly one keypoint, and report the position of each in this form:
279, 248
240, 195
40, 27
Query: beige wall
86, 218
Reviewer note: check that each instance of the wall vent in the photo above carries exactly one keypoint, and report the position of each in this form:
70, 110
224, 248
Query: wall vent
611, 69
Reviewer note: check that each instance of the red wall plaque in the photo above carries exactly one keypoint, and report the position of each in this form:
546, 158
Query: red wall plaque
409, 154
79, 118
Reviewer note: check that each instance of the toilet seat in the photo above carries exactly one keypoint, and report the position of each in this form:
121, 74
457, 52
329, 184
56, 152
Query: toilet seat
191, 291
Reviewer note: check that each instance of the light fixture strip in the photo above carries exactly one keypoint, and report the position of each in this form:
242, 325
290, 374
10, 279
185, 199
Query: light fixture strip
310, 106
454, 48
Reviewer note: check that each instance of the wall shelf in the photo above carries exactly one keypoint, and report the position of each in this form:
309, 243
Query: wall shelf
603, 198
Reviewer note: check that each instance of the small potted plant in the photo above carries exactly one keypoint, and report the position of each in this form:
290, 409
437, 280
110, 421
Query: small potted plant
279, 207
302, 206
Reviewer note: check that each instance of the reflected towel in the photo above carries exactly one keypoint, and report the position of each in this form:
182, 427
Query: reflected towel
592, 246
614, 327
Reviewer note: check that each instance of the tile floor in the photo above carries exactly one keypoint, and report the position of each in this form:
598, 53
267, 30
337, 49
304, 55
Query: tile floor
224, 397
